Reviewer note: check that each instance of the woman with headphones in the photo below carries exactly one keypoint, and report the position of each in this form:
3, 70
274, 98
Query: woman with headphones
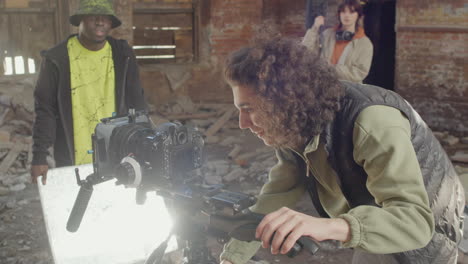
345, 46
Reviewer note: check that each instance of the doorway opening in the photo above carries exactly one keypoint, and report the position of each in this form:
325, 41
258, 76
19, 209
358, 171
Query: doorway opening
379, 25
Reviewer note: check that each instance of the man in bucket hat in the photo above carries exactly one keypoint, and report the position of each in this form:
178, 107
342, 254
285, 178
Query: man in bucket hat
87, 77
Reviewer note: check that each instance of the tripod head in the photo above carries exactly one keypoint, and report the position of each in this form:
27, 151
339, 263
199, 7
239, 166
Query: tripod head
224, 215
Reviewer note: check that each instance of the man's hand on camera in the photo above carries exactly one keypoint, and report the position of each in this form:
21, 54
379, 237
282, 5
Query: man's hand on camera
39, 170
282, 228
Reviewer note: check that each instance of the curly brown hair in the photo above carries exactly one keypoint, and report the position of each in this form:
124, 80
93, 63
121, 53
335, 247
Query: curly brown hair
301, 90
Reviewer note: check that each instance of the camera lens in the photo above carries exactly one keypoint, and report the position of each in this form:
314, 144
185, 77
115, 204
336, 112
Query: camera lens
181, 138
125, 173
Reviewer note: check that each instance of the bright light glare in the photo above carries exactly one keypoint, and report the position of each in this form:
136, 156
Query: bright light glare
166, 28
31, 66
170, 28
8, 66
156, 57
154, 47
114, 228
19, 65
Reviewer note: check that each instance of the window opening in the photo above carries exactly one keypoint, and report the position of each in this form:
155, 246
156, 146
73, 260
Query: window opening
164, 33
19, 65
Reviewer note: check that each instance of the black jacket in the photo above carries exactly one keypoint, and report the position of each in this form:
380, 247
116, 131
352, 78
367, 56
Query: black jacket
53, 124
440, 178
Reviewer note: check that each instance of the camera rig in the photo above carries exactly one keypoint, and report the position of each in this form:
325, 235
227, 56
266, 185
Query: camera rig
162, 159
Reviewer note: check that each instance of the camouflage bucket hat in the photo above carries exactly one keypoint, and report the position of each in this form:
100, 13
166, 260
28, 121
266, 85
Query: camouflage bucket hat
95, 7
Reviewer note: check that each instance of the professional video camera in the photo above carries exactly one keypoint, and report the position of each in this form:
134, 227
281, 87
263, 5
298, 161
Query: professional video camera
129, 149
162, 159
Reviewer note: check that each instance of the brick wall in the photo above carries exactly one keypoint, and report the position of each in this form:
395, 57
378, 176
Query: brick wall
225, 26
431, 70
232, 24
230, 27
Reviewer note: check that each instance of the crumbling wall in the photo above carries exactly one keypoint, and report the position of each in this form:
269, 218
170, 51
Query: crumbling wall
224, 26
431, 70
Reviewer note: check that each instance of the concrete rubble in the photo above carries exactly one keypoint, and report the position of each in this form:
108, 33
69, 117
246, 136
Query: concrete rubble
16, 120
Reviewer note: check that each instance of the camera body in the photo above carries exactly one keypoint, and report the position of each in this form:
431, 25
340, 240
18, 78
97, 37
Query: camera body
130, 149
344, 35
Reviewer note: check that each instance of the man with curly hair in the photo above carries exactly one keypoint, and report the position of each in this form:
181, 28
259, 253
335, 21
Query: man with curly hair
380, 180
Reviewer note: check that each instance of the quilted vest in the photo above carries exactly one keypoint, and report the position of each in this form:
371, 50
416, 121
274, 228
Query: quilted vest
437, 170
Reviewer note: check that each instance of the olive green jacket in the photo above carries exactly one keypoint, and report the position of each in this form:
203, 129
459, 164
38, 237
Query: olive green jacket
382, 146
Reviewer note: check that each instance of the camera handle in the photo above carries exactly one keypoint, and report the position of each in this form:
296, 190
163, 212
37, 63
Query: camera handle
242, 227
83, 197
81, 202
